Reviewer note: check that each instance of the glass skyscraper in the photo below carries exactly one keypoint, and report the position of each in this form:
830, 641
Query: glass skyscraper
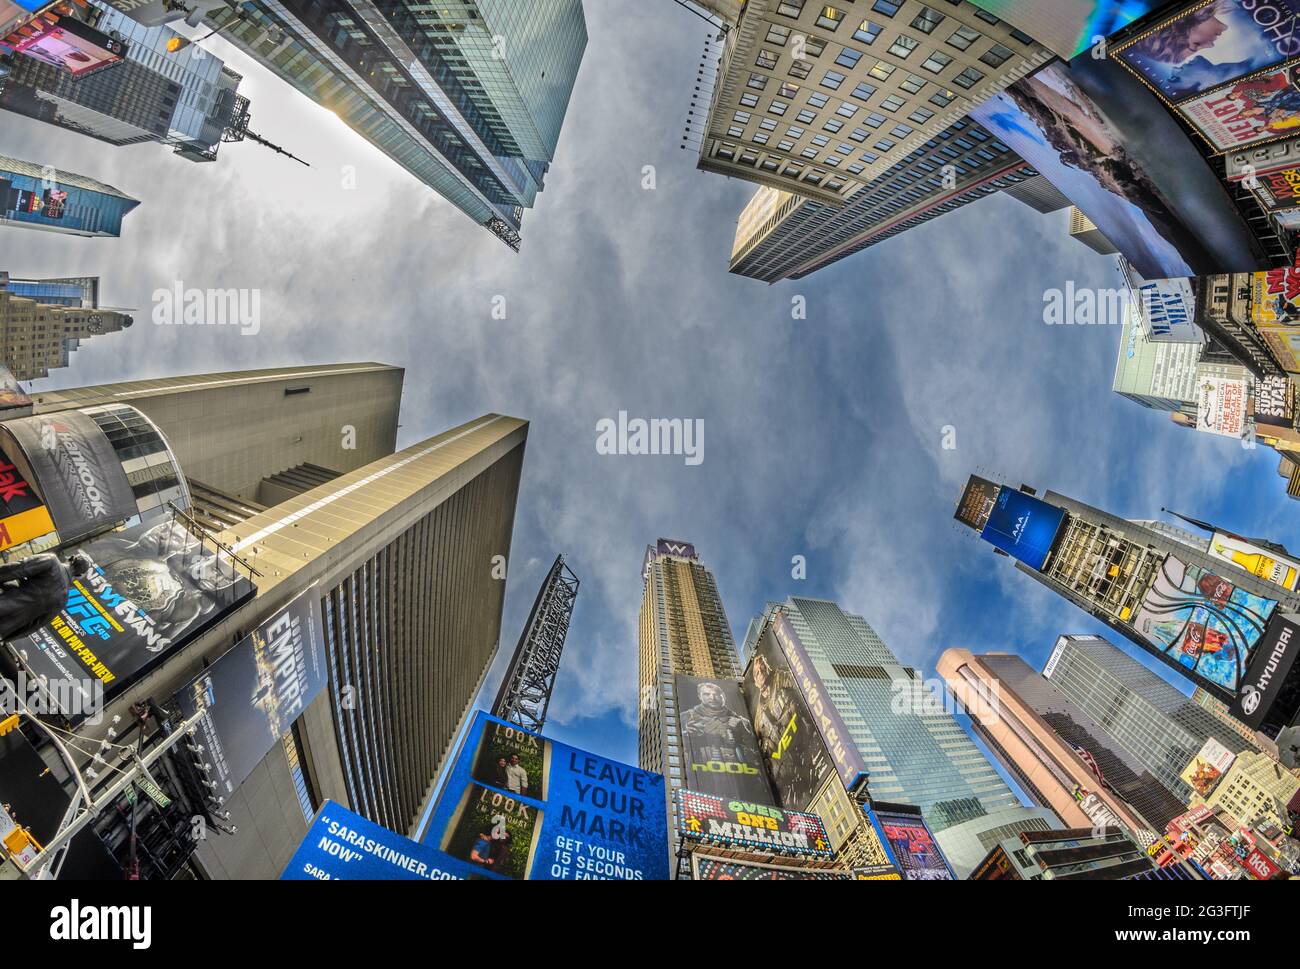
468, 95
45, 198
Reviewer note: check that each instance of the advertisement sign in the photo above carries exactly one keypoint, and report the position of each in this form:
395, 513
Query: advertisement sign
1203, 771
1261, 563
343, 846
826, 718
707, 817
1108, 144
1284, 341
1273, 402
256, 690
913, 847
150, 591
1207, 46
72, 463
1167, 309
1260, 866
1268, 672
977, 502
11, 392
51, 203
1252, 111
1202, 622
1275, 297
708, 869
1278, 190
23, 516
1069, 27
797, 761
720, 747
15, 12
1221, 406
66, 43
518, 805
1023, 526
1098, 813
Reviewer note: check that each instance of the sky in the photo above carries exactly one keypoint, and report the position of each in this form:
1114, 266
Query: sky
823, 437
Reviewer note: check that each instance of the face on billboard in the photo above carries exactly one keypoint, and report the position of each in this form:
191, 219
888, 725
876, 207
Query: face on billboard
494, 832
721, 748
1205, 769
1023, 526
1202, 622
1252, 111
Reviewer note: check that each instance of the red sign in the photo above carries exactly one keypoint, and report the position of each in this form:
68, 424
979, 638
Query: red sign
1260, 866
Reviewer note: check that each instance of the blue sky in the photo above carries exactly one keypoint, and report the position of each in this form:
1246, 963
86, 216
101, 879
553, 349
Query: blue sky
823, 436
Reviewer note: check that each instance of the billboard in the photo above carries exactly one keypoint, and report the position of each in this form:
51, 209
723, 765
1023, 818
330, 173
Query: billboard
705, 868
1207, 46
1278, 191
1275, 297
707, 817
1261, 563
1268, 673
977, 502
1273, 401
11, 392
343, 846
74, 466
1101, 138
23, 516
1069, 27
720, 747
1203, 771
151, 589
797, 761
1167, 309
913, 847
1202, 622
518, 805
1221, 406
254, 691
1023, 526
66, 43
1250, 112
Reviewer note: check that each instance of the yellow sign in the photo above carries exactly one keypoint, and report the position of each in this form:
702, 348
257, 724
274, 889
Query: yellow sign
24, 526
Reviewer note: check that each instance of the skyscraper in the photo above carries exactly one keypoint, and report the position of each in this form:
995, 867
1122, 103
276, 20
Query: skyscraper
781, 235
1156, 724
1060, 756
42, 197
37, 336
795, 79
186, 99
398, 549
469, 97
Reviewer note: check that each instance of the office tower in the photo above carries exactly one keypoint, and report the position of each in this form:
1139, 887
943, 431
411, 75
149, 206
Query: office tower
1157, 725
1077, 854
782, 235
469, 97
82, 291
42, 197
1059, 755
682, 630
1219, 625
915, 751
185, 99
1164, 374
1082, 228
1039, 194
398, 550
795, 78
1219, 710
37, 337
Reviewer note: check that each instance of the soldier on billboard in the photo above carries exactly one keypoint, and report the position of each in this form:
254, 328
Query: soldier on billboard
34, 590
718, 732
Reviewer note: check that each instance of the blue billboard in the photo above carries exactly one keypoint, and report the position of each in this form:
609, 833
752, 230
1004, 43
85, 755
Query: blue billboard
344, 846
1023, 526
518, 805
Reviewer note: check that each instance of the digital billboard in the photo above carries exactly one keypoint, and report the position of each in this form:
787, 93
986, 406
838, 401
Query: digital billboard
914, 850
518, 805
254, 691
1068, 27
1250, 112
1206, 46
1202, 622
705, 868
1107, 143
341, 845
1203, 771
977, 502
798, 763
150, 590
23, 516
1268, 673
720, 747
1023, 526
1262, 563
66, 43
707, 817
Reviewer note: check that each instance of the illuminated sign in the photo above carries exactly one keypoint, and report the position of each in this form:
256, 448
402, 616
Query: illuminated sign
707, 817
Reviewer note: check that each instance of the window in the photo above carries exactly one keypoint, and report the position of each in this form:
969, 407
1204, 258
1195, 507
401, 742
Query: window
785, 144
936, 62
892, 103
809, 153
920, 116
942, 98
846, 110
788, 90
927, 20
833, 80
857, 169
806, 116
767, 124
800, 69
794, 131
757, 81
968, 78
963, 37
830, 18
997, 55
778, 108
833, 126
913, 84
866, 32
900, 131
864, 91
735, 132
885, 7
817, 99
875, 120
848, 58
884, 144
749, 100
790, 8
903, 45
760, 138
815, 47
858, 135
776, 34
882, 71
742, 117
766, 59
821, 141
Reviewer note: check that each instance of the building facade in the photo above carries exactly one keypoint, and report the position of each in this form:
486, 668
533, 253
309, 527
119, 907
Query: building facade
42, 197
37, 337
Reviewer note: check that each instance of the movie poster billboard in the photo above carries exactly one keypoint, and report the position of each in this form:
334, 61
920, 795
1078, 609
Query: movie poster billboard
1069, 27
1203, 771
1209, 45
518, 805
341, 845
150, 590
798, 763
64, 42
1222, 406
707, 817
706, 868
1107, 143
1252, 111
70, 460
719, 744
914, 850
1262, 563
1202, 623
976, 502
1273, 401
1023, 526
23, 516
254, 691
